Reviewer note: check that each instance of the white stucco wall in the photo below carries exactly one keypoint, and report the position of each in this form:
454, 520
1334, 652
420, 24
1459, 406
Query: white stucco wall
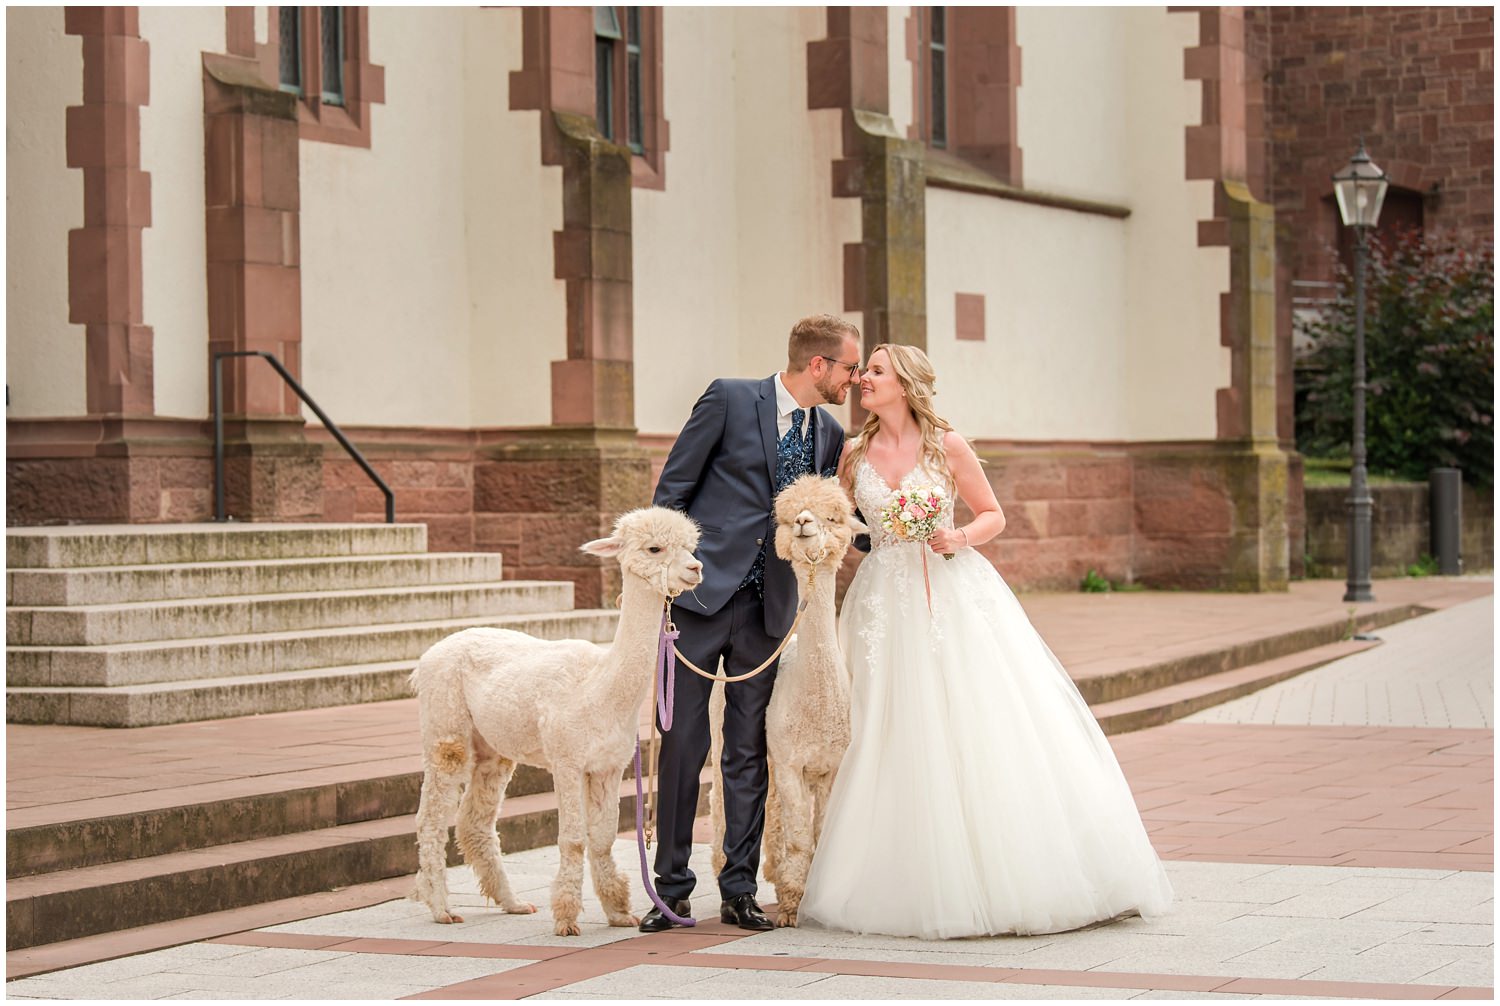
173, 248
1073, 116
513, 204
1176, 363
902, 99
384, 286
792, 231
686, 266
44, 354
428, 296
1055, 342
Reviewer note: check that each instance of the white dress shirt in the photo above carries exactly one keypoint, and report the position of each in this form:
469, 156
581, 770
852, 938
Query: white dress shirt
785, 405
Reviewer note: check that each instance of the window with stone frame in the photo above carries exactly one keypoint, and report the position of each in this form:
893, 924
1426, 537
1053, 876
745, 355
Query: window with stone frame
628, 86
966, 67
322, 55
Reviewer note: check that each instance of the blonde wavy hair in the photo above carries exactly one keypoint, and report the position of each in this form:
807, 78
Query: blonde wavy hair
918, 380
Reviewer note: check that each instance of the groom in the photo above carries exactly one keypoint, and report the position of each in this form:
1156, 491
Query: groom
745, 441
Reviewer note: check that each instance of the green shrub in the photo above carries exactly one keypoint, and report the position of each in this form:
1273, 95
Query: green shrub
1425, 566
1093, 583
1429, 354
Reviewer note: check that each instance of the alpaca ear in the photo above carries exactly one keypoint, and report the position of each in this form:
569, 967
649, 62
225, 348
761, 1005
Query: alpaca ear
858, 526
604, 548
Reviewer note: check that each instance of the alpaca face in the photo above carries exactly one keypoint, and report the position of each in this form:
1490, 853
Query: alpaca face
815, 522
655, 545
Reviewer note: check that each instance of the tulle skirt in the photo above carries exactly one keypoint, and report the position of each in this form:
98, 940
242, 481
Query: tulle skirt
979, 795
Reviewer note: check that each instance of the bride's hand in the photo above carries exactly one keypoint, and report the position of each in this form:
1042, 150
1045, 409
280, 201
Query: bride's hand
946, 542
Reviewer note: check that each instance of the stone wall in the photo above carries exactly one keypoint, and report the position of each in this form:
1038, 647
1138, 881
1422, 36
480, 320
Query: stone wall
1416, 82
1400, 532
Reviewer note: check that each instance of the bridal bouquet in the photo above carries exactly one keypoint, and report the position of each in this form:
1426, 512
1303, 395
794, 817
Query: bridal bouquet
913, 514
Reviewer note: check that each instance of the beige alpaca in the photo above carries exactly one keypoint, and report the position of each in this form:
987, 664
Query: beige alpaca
807, 721
490, 698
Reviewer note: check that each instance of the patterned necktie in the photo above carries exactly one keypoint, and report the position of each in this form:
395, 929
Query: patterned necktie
794, 459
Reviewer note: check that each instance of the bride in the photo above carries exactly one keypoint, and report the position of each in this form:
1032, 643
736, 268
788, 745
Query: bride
978, 795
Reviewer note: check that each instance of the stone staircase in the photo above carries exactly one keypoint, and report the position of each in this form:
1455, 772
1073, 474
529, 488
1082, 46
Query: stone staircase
141, 625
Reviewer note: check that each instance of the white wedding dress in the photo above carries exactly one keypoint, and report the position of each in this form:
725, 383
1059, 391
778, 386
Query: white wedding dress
979, 795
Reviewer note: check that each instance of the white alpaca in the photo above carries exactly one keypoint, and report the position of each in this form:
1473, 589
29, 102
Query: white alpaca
490, 698
807, 721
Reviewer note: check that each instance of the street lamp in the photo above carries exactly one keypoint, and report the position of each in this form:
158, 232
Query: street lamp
1360, 190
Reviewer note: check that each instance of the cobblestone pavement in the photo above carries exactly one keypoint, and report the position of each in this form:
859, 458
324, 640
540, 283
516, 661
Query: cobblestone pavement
1330, 837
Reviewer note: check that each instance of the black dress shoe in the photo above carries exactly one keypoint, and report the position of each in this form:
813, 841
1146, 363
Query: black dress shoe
742, 911
656, 922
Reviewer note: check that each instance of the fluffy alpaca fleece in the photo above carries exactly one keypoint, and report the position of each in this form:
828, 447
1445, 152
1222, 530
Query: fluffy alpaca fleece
492, 698
807, 721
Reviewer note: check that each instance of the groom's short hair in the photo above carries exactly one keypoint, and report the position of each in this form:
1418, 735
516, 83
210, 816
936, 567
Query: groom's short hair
818, 335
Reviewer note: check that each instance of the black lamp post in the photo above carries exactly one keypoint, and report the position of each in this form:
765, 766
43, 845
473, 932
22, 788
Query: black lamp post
1360, 190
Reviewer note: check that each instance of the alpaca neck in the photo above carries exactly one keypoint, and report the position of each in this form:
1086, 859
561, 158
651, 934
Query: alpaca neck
628, 666
819, 621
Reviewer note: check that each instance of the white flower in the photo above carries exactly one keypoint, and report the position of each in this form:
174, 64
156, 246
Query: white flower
907, 517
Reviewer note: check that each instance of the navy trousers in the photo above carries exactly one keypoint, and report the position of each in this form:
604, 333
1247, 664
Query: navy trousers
737, 634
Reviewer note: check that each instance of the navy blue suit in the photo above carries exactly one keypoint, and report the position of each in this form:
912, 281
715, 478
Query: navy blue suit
721, 472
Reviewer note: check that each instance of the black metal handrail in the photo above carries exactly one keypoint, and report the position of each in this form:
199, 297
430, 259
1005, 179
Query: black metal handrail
332, 427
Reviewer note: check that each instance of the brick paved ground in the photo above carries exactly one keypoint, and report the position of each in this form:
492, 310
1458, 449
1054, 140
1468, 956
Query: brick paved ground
1342, 860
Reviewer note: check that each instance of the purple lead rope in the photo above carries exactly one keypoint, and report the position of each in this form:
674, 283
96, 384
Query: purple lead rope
666, 672
666, 686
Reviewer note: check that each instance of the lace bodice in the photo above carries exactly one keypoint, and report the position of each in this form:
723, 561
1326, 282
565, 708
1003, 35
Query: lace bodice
872, 494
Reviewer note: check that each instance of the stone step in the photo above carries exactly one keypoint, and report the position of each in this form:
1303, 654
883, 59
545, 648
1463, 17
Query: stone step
210, 699
166, 581
142, 544
37, 843
122, 664
69, 904
1151, 709
1211, 660
146, 621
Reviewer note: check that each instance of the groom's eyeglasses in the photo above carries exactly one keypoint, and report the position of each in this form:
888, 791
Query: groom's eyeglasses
853, 367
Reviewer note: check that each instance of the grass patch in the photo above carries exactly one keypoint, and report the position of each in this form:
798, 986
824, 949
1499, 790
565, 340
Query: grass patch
1324, 472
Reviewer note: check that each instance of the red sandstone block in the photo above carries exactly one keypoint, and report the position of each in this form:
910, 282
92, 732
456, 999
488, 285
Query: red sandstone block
104, 275
447, 534
338, 505
278, 165
1067, 517
854, 277
1028, 480
118, 197
117, 69
103, 136
101, 21
273, 304
428, 502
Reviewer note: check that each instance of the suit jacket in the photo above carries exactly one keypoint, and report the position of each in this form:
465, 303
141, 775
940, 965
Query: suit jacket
721, 472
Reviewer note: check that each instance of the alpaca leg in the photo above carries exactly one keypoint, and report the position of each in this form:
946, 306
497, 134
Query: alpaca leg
477, 838
796, 825
822, 787
604, 822
773, 845
572, 830
716, 792
439, 792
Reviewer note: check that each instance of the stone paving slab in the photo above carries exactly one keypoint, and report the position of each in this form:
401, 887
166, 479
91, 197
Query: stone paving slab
1224, 934
1092, 634
1344, 861
1404, 682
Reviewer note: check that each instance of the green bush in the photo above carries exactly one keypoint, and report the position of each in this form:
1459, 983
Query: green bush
1429, 358
1093, 583
1425, 566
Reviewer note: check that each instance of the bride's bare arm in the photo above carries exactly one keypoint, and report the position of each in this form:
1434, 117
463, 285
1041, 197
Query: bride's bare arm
974, 489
